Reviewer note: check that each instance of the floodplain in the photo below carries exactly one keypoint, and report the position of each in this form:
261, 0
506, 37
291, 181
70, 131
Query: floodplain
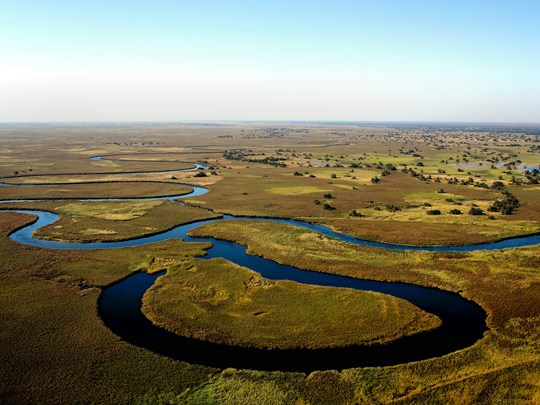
409, 185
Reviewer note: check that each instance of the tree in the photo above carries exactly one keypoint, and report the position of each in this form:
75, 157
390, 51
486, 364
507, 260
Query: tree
505, 206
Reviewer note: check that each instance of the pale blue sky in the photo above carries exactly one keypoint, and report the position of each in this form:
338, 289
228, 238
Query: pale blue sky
274, 60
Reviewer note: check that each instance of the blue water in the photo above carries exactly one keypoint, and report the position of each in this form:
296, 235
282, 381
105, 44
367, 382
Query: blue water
463, 321
24, 235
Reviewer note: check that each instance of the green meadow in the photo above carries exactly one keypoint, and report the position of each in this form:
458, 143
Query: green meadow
218, 301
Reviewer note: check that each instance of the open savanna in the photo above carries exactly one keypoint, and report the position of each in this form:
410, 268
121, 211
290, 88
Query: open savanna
277, 192
218, 301
61, 149
64, 160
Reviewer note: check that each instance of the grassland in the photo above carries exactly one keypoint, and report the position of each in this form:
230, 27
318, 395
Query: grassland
266, 196
172, 177
94, 190
506, 283
36, 284
55, 349
112, 220
218, 301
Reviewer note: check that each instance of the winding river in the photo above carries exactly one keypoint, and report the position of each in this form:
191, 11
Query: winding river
463, 321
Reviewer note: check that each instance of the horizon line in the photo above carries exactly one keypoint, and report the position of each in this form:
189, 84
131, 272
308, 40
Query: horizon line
295, 121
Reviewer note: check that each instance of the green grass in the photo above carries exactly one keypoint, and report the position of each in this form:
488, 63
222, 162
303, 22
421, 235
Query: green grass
506, 283
55, 348
113, 220
219, 301
117, 211
481, 276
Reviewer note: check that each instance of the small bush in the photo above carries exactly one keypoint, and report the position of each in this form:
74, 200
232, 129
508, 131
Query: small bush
433, 212
327, 206
476, 211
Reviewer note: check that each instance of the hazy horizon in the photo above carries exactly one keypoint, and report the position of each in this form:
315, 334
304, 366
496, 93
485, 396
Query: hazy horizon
263, 121
166, 61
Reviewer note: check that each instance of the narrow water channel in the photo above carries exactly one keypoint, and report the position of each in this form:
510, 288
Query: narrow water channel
463, 321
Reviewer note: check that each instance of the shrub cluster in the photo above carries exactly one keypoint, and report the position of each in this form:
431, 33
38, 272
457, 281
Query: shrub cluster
506, 206
476, 211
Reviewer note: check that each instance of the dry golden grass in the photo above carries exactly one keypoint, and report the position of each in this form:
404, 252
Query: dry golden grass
95, 190
118, 211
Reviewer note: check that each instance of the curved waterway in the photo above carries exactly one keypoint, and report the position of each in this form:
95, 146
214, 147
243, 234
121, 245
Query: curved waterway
463, 321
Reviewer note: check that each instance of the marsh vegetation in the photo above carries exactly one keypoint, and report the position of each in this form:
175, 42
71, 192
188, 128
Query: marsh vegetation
277, 172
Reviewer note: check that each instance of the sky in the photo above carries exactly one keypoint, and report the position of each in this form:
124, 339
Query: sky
380, 60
